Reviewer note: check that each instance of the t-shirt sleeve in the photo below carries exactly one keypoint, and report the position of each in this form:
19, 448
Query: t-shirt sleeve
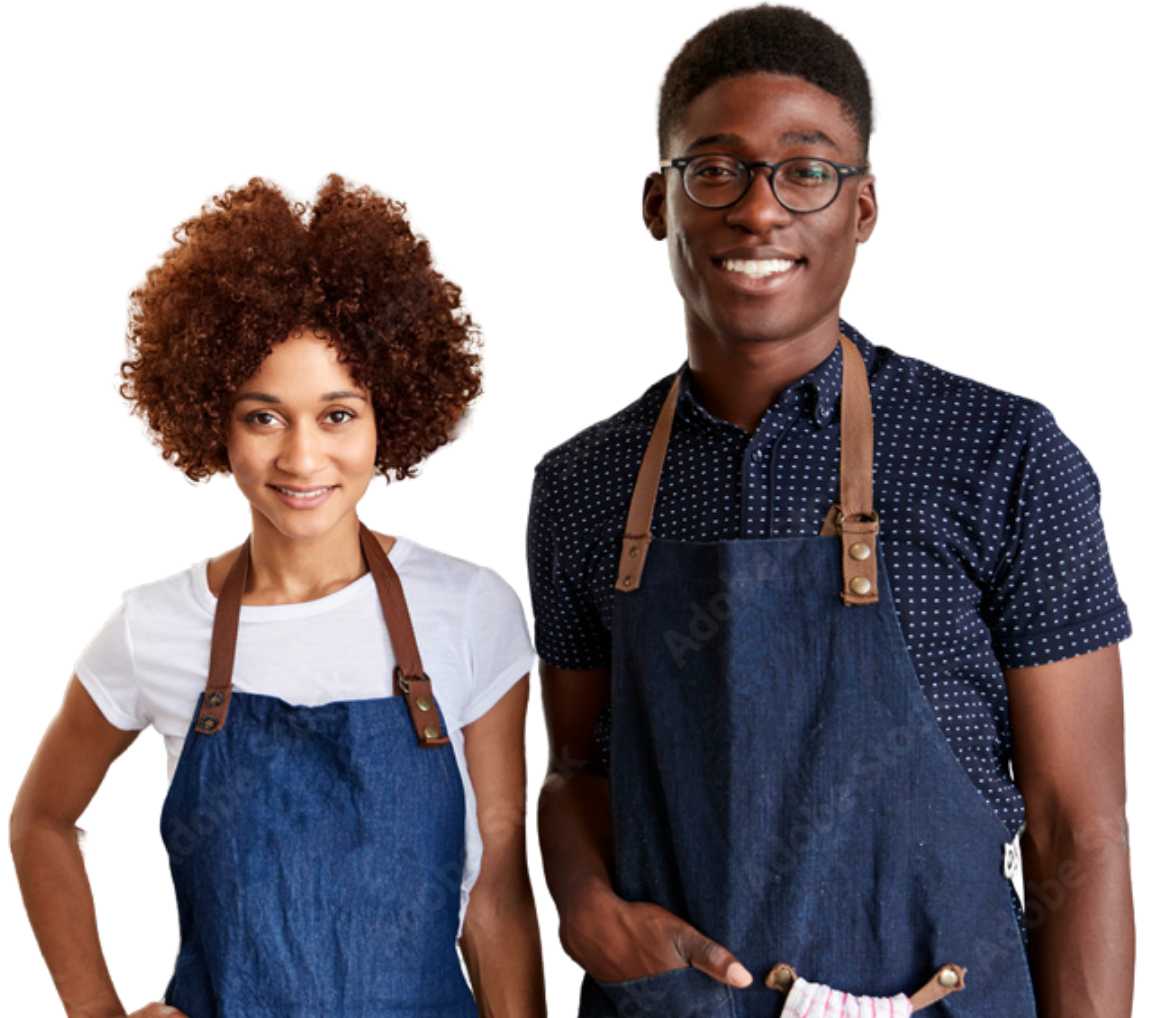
1054, 594
106, 669
501, 651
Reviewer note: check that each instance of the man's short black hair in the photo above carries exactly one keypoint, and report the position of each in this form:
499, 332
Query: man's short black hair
775, 40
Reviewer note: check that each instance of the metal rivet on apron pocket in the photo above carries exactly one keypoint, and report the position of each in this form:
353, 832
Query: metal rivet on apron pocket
626, 581
860, 551
423, 702
207, 724
215, 699
431, 732
948, 978
633, 550
860, 585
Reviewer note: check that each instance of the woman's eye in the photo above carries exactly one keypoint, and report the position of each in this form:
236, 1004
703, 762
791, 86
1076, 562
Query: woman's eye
261, 417
340, 416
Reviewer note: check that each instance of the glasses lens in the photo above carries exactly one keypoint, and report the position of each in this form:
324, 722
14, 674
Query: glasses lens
805, 185
715, 181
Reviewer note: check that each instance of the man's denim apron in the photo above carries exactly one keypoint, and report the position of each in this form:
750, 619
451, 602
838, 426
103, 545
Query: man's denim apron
317, 852
778, 778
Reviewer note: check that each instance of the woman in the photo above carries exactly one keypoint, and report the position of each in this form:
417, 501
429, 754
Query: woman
343, 710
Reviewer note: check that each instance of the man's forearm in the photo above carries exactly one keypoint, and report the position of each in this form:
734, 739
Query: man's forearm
575, 836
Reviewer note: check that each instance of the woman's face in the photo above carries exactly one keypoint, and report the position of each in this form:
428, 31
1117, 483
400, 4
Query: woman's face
301, 440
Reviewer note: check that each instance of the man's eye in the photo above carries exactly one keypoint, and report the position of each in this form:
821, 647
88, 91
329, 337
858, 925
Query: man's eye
809, 174
714, 171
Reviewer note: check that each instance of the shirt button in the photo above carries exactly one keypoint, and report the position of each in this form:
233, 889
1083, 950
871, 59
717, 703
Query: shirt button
824, 412
757, 454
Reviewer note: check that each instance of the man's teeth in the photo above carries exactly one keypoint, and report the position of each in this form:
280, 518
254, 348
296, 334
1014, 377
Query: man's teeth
303, 494
758, 267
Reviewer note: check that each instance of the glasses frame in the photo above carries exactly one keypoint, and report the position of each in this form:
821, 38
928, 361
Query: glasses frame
844, 173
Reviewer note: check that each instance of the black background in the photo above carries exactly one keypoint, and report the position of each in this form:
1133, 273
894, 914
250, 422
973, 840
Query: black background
519, 143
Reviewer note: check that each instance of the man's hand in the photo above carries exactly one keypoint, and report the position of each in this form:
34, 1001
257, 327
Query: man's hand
616, 941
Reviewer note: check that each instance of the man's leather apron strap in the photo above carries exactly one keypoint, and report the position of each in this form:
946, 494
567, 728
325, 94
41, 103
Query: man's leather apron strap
409, 680
948, 979
853, 518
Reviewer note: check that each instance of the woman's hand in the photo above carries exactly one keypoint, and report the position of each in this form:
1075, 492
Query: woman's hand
617, 941
157, 1010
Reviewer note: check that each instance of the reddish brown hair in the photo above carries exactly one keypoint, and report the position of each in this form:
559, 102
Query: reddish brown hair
254, 267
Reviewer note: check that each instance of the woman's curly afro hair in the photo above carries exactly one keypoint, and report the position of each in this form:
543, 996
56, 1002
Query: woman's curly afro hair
253, 268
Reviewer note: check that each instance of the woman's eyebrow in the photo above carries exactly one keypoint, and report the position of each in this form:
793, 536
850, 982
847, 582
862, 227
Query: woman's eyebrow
327, 397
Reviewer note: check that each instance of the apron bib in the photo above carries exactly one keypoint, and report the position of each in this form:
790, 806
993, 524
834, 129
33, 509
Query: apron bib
778, 778
317, 852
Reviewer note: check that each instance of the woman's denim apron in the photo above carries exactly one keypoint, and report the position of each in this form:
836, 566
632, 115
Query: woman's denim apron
317, 852
778, 778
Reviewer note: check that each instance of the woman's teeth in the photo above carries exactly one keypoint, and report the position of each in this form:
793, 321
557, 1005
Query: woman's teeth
758, 268
302, 494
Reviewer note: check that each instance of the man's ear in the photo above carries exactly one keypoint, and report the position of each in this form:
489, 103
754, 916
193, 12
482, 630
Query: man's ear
867, 210
654, 205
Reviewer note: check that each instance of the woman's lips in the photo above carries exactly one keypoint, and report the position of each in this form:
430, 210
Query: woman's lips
302, 498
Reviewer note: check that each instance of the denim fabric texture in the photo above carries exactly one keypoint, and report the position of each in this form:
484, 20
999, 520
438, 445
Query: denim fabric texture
317, 854
779, 780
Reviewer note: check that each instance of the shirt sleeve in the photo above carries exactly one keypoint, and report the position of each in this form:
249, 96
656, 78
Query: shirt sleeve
1055, 594
569, 630
106, 669
501, 651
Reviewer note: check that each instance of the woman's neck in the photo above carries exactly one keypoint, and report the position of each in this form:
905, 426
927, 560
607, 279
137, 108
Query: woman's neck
286, 570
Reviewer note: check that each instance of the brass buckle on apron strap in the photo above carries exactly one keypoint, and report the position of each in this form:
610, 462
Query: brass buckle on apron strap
948, 979
853, 518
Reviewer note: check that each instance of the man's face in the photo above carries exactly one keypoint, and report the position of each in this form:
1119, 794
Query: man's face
755, 271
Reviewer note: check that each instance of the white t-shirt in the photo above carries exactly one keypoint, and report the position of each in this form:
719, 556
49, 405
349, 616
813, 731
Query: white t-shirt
149, 663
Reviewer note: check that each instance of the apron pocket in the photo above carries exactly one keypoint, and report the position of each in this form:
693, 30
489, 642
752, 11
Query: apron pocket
680, 993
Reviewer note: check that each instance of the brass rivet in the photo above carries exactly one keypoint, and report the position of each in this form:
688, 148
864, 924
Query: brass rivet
207, 724
626, 581
860, 551
948, 978
431, 732
634, 551
215, 699
860, 585
423, 702
784, 977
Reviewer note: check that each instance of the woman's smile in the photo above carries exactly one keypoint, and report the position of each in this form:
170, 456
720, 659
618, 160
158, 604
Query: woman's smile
302, 439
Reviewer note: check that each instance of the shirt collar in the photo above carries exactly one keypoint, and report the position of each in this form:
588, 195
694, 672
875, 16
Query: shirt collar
816, 395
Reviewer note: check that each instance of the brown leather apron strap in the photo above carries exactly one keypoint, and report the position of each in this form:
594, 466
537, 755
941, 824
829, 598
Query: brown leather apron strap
636, 539
409, 680
853, 518
224, 630
948, 979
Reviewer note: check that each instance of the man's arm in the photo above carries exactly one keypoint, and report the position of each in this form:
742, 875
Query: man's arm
614, 940
1069, 759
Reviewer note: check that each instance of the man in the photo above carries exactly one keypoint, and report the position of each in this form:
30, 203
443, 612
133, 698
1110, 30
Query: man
770, 747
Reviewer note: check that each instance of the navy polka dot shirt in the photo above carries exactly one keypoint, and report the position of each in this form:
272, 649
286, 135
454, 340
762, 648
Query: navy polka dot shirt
991, 532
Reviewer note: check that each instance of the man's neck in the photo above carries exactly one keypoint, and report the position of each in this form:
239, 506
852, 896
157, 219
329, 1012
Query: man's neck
740, 382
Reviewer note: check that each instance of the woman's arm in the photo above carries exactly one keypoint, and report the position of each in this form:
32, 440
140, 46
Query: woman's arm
1070, 763
68, 768
501, 933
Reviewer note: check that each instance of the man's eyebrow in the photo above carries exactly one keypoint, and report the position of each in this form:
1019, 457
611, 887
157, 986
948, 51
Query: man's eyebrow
327, 397
810, 137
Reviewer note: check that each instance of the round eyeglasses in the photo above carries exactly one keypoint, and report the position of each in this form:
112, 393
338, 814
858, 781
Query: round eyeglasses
800, 185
